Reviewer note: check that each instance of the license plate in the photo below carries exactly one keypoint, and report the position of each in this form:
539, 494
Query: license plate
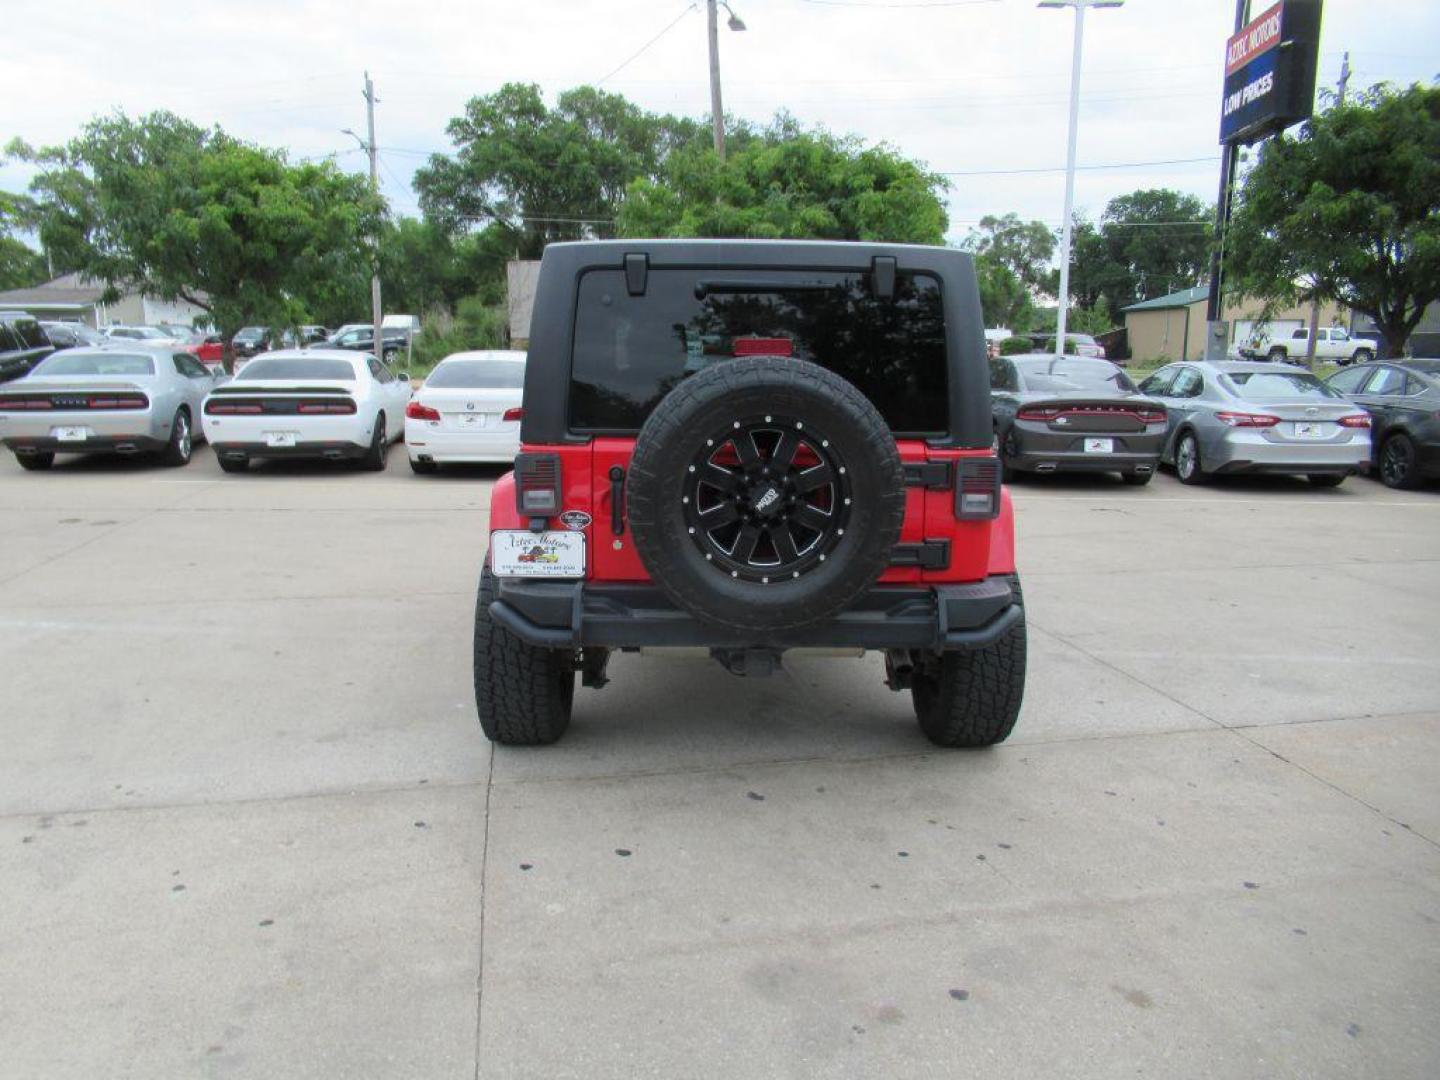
70, 434
528, 554
279, 438
472, 419
1310, 431
1099, 446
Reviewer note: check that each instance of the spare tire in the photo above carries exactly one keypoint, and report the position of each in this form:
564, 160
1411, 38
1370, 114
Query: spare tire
765, 493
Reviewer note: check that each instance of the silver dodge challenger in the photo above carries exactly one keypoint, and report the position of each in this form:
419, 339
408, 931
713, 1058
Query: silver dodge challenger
1258, 418
120, 398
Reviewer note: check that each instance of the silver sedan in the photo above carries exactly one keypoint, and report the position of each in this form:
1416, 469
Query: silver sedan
119, 398
1258, 418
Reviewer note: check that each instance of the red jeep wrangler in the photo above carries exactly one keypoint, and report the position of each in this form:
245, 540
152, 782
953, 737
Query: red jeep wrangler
753, 447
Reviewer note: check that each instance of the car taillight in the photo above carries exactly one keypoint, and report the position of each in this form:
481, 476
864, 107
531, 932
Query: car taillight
1151, 416
225, 408
537, 484
344, 408
417, 411
977, 488
1038, 412
1362, 420
1243, 419
511, 415
124, 402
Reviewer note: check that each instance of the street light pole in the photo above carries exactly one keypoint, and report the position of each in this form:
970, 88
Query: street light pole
377, 312
1066, 225
717, 110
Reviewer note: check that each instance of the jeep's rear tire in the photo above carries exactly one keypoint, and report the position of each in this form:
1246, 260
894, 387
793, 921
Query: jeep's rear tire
972, 699
813, 546
523, 693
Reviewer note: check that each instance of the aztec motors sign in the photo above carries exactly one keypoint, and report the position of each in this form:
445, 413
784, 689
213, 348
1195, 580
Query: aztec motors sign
1270, 72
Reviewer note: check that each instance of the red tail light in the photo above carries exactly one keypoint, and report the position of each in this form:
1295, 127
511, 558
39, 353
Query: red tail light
1362, 420
417, 411
124, 401
537, 484
1242, 419
344, 408
1151, 416
511, 415
225, 408
1038, 412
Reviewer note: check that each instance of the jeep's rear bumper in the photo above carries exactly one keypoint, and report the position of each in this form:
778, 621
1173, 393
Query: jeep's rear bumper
571, 614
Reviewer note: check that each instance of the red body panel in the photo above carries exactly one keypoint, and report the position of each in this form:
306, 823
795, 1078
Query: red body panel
977, 548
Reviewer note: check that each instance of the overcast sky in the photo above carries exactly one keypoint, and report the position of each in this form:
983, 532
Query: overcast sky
974, 88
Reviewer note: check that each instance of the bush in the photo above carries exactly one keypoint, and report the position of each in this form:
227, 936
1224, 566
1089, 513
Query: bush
474, 325
1014, 345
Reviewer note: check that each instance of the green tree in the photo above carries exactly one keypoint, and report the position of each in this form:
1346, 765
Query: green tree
1149, 243
1004, 299
177, 211
1025, 248
787, 182
545, 174
1348, 210
20, 264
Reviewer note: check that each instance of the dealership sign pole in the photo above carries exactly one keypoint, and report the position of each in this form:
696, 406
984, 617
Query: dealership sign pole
1269, 85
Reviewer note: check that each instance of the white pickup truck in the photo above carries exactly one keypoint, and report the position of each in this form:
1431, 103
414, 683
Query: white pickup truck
1332, 343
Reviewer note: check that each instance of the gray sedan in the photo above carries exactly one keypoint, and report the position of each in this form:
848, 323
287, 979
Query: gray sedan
1073, 414
121, 398
1258, 418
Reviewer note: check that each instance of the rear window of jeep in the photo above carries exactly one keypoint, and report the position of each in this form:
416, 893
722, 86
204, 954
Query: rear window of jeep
630, 351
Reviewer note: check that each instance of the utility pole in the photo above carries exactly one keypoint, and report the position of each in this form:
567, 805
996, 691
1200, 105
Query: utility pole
376, 311
1315, 300
717, 112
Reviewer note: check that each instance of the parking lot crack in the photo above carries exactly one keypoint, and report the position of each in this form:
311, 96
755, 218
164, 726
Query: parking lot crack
480, 958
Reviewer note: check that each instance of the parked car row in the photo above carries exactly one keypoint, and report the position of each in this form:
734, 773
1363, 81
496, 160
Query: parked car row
136, 397
1081, 414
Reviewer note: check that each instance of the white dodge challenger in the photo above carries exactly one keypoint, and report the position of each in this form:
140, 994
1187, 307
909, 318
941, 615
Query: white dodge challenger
325, 403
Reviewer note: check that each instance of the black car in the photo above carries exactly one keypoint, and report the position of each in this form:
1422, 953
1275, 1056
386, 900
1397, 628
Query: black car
23, 344
67, 335
362, 339
250, 341
1403, 400
1073, 414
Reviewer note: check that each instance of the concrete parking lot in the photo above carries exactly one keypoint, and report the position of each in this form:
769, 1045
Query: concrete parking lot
249, 827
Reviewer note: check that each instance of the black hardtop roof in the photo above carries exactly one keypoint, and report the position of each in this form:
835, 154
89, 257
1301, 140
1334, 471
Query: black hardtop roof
552, 327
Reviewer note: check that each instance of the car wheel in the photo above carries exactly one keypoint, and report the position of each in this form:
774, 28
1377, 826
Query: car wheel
972, 699
234, 464
1137, 479
1397, 463
1188, 467
765, 494
421, 466
37, 462
178, 450
1363, 356
1277, 356
374, 459
1326, 480
523, 693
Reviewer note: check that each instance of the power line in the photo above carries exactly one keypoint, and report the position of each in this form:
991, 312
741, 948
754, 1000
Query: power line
668, 27
1061, 168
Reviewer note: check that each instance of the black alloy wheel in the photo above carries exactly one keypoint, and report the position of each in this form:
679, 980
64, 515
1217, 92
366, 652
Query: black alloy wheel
1397, 463
766, 500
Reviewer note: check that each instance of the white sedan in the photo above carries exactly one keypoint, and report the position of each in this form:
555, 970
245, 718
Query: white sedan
325, 403
467, 411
